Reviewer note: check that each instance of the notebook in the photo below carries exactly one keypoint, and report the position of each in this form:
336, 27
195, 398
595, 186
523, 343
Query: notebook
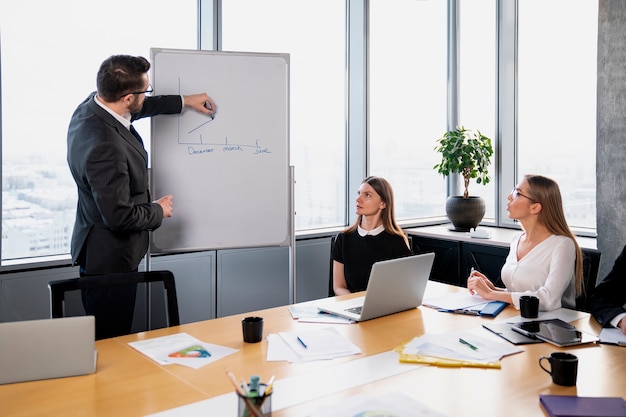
573, 406
554, 331
394, 285
50, 348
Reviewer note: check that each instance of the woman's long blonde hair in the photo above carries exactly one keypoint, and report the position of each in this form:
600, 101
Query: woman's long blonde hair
384, 190
546, 192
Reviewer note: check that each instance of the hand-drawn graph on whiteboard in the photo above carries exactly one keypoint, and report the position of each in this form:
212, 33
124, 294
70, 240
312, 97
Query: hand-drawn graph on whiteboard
229, 175
199, 139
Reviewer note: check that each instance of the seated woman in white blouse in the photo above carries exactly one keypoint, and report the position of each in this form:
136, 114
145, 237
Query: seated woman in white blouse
545, 259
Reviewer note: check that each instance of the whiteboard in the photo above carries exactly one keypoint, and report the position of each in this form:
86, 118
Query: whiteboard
229, 176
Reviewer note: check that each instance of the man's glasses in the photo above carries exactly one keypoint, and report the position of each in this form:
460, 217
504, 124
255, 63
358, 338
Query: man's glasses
146, 92
516, 191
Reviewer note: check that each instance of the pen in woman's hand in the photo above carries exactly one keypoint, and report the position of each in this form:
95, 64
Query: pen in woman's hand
474, 292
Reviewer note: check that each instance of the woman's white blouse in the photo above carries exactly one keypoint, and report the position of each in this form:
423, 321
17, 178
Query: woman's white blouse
547, 272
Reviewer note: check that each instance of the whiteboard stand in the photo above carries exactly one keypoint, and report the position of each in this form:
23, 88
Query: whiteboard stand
148, 293
292, 230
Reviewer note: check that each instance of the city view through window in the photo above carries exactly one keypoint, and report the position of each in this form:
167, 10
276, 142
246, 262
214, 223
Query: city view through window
39, 195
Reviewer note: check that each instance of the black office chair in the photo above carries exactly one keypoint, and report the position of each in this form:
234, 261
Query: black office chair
59, 288
591, 266
331, 292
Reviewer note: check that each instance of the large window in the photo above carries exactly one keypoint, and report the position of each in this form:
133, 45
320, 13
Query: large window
526, 76
556, 123
477, 83
49, 64
407, 101
314, 34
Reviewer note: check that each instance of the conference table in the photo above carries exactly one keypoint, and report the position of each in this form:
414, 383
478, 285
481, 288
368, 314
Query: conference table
128, 383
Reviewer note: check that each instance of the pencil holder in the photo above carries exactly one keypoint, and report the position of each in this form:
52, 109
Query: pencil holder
255, 404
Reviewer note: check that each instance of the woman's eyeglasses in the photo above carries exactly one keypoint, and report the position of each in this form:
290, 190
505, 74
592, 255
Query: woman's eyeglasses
516, 191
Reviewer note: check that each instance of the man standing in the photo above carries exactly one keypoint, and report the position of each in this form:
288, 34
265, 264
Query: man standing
110, 167
608, 301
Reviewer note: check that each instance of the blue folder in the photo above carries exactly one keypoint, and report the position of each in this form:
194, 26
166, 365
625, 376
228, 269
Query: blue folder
490, 309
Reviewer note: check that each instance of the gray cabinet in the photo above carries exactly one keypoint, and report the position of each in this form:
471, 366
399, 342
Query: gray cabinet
252, 279
195, 283
312, 269
26, 296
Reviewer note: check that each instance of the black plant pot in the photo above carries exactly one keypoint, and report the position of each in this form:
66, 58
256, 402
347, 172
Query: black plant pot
465, 213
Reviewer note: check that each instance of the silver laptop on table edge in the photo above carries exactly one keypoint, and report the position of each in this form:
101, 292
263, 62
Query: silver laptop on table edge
48, 348
394, 285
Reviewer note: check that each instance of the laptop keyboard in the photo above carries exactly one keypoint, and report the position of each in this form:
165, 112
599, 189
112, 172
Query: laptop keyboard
355, 310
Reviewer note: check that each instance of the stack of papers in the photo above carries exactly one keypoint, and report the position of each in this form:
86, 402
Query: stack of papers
456, 349
181, 349
309, 313
456, 301
466, 303
612, 336
309, 345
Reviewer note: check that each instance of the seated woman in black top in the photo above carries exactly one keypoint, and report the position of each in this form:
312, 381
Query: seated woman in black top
374, 236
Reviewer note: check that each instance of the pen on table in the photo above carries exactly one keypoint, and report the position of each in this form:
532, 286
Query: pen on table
468, 344
302, 342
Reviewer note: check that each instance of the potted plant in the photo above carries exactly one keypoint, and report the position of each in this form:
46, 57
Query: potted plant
465, 152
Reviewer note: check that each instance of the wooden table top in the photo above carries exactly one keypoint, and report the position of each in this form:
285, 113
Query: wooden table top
127, 383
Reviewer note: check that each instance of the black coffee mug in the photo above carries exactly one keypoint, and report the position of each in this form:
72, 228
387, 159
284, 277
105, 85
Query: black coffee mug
563, 368
252, 328
529, 306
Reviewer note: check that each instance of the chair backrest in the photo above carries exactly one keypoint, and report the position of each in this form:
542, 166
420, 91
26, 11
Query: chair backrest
59, 288
331, 292
591, 266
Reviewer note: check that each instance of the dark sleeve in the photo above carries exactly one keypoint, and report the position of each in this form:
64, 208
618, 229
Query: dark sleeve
338, 248
152, 106
609, 297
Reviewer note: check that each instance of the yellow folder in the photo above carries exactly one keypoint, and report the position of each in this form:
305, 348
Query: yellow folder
434, 361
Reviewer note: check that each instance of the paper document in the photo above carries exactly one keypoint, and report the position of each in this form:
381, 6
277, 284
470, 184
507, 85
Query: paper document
309, 345
309, 313
455, 301
394, 404
460, 346
181, 349
612, 336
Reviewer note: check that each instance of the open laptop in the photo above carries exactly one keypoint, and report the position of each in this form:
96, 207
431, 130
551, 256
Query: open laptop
394, 285
49, 348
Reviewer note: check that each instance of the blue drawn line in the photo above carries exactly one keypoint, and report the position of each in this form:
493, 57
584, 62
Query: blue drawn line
196, 128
